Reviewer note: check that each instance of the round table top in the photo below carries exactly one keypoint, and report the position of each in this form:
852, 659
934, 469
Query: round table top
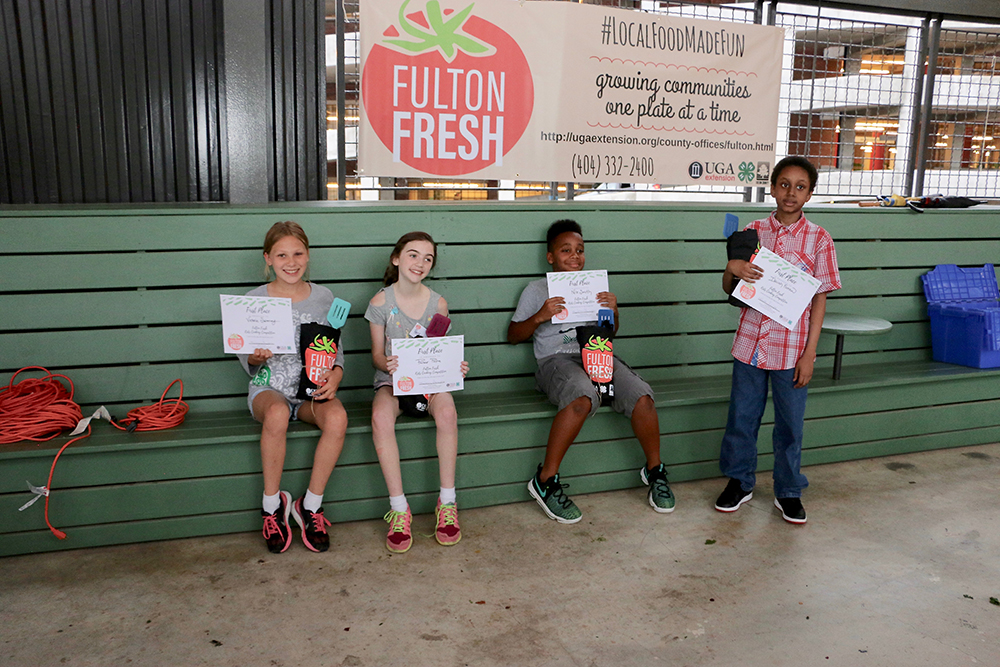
857, 325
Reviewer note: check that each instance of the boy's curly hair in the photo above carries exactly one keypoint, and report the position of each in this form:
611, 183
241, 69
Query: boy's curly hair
561, 227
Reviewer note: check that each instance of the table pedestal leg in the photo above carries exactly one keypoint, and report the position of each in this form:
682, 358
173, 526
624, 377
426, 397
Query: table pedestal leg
838, 356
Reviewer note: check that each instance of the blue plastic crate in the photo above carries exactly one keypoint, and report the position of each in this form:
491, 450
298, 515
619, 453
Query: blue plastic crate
965, 315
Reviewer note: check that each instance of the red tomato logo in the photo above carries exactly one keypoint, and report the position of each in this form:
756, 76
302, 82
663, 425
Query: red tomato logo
747, 291
451, 95
235, 342
404, 383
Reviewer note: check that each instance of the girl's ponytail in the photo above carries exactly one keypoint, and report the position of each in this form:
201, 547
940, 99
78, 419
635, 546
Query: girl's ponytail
392, 271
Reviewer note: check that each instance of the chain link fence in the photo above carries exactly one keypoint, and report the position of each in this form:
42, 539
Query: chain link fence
863, 96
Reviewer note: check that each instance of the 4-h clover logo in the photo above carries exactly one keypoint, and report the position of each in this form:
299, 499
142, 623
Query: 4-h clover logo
746, 171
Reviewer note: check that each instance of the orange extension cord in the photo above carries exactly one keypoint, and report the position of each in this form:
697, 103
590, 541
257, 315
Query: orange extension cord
160, 415
39, 409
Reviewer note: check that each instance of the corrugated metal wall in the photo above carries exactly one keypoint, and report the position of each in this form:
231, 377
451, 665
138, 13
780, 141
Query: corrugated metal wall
297, 67
108, 101
125, 101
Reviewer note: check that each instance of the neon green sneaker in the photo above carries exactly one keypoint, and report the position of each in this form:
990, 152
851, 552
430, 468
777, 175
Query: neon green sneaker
448, 532
556, 504
660, 497
399, 540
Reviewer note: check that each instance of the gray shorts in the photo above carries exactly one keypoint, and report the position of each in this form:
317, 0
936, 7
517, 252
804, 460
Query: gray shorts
561, 377
293, 403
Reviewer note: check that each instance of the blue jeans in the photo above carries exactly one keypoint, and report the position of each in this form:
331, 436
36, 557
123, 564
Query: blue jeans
738, 459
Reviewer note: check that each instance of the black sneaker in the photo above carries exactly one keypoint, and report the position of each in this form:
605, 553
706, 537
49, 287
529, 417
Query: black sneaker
313, 525
791, 509
556, 504
277, 532
732, 497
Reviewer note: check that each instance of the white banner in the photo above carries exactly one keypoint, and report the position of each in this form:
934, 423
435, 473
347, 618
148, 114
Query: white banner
554, 91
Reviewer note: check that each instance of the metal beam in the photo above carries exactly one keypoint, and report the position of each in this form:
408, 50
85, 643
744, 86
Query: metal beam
925, 117
246, 86
986, 10
341, 107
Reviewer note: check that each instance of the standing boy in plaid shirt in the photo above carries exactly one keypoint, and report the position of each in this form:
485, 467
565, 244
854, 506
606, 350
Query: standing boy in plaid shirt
764, 350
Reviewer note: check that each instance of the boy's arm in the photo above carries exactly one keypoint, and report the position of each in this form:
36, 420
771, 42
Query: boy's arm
518, 332
740, 269
804, 367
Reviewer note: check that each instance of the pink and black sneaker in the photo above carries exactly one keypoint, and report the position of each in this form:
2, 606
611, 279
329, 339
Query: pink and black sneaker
313, 525
277, 531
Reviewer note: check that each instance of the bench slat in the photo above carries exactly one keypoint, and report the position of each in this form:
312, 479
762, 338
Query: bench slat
131, 303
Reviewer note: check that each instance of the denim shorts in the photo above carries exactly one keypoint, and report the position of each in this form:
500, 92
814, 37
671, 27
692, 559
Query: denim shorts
293, 403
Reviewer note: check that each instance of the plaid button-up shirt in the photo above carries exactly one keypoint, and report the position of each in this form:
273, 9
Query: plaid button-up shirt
762, 342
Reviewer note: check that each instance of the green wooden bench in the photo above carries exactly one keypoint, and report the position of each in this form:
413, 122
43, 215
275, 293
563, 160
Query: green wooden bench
124, 300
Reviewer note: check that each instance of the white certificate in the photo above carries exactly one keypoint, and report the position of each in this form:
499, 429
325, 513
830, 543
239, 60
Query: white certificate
428, 365
782, 293
252, 322
580, 289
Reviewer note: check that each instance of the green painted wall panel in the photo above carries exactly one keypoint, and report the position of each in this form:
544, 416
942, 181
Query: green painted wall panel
676, 329
134, 307
40, 540
57, 229
487, 352
926, 253
171, 269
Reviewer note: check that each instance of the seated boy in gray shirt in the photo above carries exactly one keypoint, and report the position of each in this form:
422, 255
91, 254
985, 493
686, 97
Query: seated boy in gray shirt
561, 376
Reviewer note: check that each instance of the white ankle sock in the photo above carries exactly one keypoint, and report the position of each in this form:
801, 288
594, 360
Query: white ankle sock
398, 503
447, 496
272, 503
311, 501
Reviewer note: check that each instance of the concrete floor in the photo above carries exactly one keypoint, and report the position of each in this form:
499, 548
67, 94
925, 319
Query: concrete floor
896, 566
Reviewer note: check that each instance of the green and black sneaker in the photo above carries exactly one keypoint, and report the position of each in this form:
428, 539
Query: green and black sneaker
556, 504
660, 497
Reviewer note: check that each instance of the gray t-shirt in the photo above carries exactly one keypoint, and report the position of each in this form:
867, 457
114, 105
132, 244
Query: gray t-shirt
397, 323
282, 371
548, 338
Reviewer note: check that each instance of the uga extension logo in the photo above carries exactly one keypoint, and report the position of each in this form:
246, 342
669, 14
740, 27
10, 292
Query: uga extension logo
447, 92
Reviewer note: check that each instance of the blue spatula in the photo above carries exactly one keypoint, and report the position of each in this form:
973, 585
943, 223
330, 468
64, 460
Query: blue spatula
732, 224
337, 317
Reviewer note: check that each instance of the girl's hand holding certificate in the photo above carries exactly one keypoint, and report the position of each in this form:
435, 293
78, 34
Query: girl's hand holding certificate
257, 322
259, 356
392, 363
427, 365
